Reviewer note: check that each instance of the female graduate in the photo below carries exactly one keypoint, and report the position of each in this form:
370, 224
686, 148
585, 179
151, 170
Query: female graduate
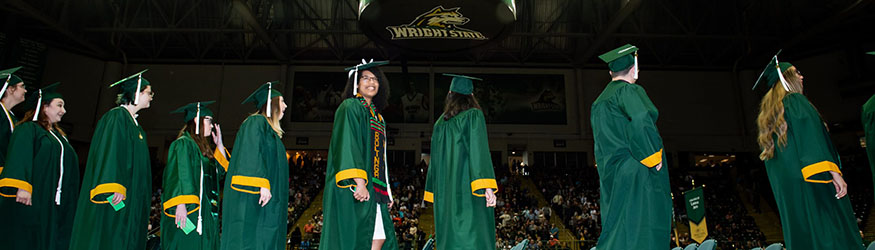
461, 181
11, 94
41, 179
257, 187
113, 207
357, 195
191, 186
803, 166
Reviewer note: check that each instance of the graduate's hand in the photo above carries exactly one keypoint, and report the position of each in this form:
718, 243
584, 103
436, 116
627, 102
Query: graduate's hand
265, 197
658, 166
490, 198
390, 203
217, 137
117, 198
181, 214
361, 190
839, 183
23, 197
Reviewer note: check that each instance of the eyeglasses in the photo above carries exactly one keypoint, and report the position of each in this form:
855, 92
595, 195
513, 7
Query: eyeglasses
150, 93
368, 78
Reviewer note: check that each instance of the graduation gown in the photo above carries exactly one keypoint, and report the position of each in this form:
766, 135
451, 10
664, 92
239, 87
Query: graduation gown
43, 163
349, 224
118, 161
635, 197
460, 172
868, 118
260, 161
811, 216
190, 178
7, 125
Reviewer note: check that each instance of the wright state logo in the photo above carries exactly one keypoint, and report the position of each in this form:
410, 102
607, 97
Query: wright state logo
437, 23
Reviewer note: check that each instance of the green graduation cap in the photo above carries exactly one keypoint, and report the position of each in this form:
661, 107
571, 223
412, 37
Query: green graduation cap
621, 58
354, 72
11, 78
45, 94
462, 84
195, 110
132, 85
772, 74
263, 95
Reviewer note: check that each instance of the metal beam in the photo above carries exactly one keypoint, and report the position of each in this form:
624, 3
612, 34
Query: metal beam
45, 19
245, 12
619, 18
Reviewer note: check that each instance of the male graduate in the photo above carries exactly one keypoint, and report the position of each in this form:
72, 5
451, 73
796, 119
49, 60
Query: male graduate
635, 194
11, 94
113, 208
869, 128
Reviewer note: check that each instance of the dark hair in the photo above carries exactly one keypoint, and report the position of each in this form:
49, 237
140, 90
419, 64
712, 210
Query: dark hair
201, 140
457, 103
381, 100
622, 72
42, 119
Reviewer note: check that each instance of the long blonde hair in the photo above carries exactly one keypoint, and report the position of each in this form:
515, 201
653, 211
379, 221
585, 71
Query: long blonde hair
770, 120
273, 120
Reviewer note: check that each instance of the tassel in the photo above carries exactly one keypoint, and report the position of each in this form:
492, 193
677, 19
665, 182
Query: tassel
197, 120
269, 88
3, 91
137, 92
781, 76
39, 104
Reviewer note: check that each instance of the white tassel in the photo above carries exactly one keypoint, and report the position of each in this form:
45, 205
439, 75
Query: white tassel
137, 92
636, 67
781, 75
39, 104
60, 179
269, 88
3, 91
201, 199
197, 120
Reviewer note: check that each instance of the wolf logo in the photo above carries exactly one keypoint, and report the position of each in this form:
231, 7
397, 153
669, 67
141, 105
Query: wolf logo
440, 17
437, 23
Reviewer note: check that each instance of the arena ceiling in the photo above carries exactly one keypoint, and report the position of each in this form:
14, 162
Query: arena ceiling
672, 34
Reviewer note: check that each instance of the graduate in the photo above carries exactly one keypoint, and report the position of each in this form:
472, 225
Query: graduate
41, 179
113, 208
803, 165
11, 94
461, 181
635, 196
868, 119
357, 196
191, 182
256, 196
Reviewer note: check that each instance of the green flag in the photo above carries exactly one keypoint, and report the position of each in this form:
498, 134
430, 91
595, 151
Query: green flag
695, 203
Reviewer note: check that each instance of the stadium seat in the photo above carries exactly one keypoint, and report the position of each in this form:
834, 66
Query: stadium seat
691, 246
757, 248
593, 248
871, 246
677, 248
775, 246
708, 245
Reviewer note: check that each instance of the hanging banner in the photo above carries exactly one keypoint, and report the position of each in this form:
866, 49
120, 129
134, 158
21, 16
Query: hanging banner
695, 203
431, 26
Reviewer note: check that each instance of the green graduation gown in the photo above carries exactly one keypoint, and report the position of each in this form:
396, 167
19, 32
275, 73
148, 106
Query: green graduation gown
260, 161
43, 163
635, 197
868, 118
811, 216
349, 224
118, 161
459, 174
191, 178
7, 125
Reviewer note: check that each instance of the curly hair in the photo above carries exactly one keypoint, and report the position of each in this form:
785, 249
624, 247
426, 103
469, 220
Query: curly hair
770, 121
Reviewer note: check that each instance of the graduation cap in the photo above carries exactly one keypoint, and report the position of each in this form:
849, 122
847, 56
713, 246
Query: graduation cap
772, 73
354, 71
621, 58
462, 84
263, 95
132, 85
195, 110
45, 94
10, 78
